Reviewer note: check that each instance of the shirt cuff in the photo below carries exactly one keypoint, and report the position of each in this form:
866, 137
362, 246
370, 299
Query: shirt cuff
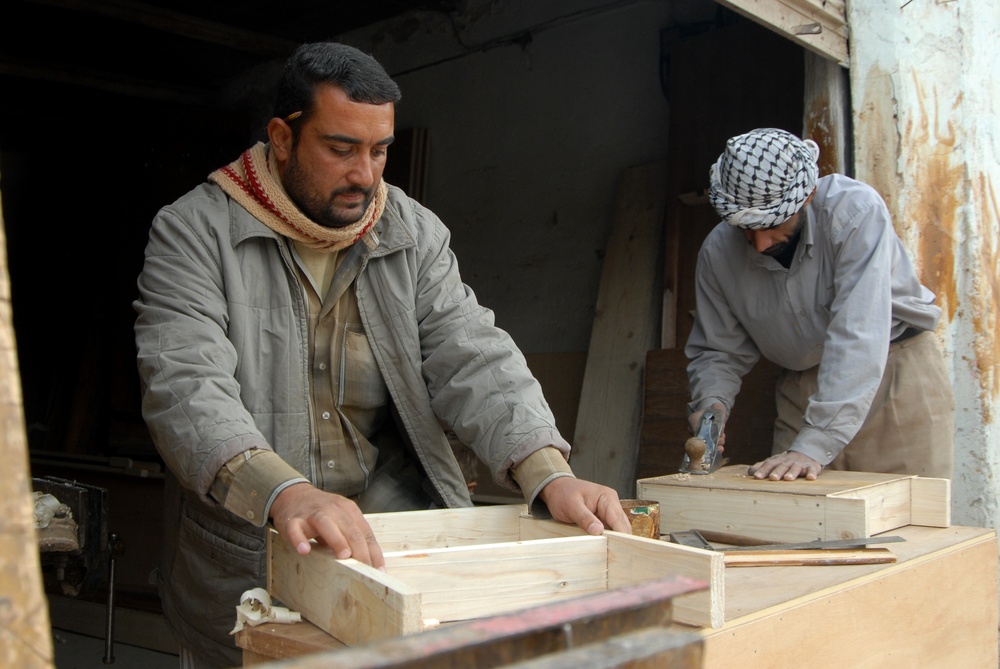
248, 484
817, 444
538, 469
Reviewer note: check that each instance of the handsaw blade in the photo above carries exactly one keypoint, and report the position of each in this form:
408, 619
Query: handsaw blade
834, 543
708, 434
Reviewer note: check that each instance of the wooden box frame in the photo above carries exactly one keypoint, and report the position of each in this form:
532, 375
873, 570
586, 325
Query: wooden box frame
457, 564
837, 505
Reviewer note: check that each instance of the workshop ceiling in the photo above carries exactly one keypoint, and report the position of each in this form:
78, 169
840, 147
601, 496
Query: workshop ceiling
179, 51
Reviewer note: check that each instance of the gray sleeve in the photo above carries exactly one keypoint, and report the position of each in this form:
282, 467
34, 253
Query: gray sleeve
719, 348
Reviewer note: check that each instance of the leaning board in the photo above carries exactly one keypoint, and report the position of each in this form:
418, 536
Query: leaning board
456, 564
837, 505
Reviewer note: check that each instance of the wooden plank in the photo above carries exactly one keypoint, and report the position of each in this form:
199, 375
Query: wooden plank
26, 638
930, 502
818, 25
846, 518
626, 325
809, 558
783, 517
634, 560
887, 506
347, 599
441, 528
477, 581
267, 642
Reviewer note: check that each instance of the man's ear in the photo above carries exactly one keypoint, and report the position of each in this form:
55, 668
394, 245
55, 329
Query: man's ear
280, 135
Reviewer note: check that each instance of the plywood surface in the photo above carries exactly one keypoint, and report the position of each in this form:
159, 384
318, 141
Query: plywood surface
935, 607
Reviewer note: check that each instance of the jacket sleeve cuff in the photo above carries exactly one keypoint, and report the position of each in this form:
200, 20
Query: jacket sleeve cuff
538, 469
249, 483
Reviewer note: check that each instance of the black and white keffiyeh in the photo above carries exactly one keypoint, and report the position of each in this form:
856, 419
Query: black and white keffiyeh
762, 178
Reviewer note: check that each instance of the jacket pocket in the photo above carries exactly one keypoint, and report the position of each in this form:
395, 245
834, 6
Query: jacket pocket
214, 565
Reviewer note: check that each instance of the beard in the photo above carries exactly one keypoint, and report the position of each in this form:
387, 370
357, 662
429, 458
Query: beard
323, 210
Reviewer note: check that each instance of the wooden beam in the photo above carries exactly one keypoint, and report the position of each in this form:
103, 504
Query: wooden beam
626, 327
25, 635
818, 25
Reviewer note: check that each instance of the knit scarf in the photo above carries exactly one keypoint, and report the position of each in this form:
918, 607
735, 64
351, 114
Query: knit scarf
252, 180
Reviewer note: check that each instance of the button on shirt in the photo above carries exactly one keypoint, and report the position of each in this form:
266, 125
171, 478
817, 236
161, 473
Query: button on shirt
849, 291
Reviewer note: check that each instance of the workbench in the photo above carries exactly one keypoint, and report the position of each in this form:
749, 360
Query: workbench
936, 606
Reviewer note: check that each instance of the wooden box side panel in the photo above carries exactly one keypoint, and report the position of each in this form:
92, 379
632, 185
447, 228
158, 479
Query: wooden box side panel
345, 598
930, 502
846, 518
535, 528
887, 506
633, 560
771, 516
441, 528
477, 581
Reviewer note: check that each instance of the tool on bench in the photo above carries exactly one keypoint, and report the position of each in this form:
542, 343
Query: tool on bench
701, 452
700, 539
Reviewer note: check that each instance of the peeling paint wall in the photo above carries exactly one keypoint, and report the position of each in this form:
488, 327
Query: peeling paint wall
925, 91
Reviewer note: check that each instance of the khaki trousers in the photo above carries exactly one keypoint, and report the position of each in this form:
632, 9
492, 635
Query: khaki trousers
910, 428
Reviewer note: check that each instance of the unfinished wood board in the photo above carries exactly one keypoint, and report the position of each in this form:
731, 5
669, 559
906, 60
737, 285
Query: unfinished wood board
837, 505
26, 636
626, 325
455, 564
935, 607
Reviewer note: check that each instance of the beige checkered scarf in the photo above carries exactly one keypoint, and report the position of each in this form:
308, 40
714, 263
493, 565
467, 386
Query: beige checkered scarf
252, 180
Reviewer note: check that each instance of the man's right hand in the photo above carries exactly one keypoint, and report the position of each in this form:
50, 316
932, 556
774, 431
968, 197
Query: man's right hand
694, 422
302, 512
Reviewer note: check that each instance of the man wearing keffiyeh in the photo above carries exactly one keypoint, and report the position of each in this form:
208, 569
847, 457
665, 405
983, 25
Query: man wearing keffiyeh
808, 272
306, 347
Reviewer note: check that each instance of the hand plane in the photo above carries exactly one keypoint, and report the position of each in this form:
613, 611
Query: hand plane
701, 452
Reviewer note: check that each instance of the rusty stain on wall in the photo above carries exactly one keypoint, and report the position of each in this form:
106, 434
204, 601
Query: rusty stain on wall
940, 189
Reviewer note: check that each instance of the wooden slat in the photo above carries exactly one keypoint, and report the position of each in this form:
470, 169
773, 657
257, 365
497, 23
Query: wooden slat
25, 636
632, 560
478, 581
810, 558
347, 599
626, 326
930, 502
818, 25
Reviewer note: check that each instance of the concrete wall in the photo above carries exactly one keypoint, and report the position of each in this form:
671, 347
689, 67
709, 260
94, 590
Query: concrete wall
534, 109
925, 91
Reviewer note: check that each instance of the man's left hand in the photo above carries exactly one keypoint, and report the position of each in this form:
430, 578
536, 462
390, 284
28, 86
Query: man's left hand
591, 506
787, 466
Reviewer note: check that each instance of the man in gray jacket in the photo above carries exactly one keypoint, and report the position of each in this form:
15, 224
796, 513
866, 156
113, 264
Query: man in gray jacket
305, 342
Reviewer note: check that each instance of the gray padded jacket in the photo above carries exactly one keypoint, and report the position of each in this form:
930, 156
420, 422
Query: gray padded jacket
222, 354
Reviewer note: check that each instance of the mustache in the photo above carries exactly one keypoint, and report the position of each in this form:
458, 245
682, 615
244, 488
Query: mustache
353, 190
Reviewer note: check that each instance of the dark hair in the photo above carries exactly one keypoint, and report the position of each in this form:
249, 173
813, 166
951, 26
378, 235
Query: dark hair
360, 76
